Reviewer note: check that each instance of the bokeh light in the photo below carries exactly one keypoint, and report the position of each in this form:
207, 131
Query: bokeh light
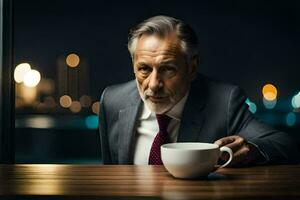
18, 102
252, 106
46, 86
85, 101
291, 119
32, 78
269, 104
269, 92
92, 122
296, 101
75, 107
72, 60
20, 71
293, 102
65, 101
96, 107
28, 94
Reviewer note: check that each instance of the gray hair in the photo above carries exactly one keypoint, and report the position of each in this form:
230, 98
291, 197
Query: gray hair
162, 26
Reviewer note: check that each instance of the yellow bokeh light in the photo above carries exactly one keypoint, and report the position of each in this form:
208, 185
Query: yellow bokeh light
32, 78
270, 96
269, 92
75, 107
72, 60
28, 94
20, 71
96, 107
65, 101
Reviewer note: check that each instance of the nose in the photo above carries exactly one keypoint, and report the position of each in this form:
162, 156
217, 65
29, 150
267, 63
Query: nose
155, 82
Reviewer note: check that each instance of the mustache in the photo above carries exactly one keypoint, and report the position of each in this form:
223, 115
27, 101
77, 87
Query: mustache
159, 94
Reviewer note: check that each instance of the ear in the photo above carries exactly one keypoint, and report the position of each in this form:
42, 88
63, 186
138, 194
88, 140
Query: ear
193, 67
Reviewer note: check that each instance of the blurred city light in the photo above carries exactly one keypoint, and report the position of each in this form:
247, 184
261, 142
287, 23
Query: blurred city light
72, 60
293, 102
92, 122
269, 92
291, 119
269, 104
40, 122
96, 107
32, 78
28, 94
252, 106
46, 86
75, 107
65, 101
20, 71
19, 102
296, 101
85, 101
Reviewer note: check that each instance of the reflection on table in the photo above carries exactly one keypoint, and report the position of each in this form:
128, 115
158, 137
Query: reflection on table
145, 182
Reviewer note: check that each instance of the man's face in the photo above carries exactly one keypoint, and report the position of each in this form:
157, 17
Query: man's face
162, 73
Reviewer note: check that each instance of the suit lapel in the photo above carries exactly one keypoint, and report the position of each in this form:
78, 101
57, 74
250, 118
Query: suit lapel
191, 122
126, 127
193, 115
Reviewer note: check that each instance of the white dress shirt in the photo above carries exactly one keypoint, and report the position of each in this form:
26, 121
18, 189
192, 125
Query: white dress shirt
147, 128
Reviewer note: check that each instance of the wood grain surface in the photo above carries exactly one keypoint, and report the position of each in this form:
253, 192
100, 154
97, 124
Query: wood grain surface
33, 181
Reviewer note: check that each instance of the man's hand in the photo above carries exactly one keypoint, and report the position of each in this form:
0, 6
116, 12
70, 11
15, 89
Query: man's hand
243, 152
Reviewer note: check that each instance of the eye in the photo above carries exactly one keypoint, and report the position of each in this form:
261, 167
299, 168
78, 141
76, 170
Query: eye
168, 70
144, 69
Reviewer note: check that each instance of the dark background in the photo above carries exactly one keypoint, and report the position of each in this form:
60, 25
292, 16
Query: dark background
245, 42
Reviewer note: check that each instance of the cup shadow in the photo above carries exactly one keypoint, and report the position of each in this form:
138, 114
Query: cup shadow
213, 176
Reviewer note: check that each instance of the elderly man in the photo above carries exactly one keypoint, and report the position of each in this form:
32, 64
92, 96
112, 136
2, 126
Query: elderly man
170, 102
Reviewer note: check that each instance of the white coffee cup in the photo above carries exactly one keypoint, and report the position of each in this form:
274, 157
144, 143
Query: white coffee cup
192, 160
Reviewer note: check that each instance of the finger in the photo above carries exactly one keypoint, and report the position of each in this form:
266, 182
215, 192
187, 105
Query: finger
225, 140
224, 156
237, 144
239, 157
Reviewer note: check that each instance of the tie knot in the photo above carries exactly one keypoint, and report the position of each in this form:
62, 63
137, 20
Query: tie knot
163, 121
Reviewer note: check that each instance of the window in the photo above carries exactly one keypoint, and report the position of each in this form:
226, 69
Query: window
66, 53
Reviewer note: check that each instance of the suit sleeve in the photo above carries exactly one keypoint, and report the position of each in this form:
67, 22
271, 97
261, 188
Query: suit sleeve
277, 147
105, 150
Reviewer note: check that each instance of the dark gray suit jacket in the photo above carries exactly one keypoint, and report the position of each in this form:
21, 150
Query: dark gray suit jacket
213, 110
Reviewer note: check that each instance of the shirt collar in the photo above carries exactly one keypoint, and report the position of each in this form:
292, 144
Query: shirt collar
146, 112
174, 113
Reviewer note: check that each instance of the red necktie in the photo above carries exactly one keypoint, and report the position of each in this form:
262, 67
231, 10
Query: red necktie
160, 139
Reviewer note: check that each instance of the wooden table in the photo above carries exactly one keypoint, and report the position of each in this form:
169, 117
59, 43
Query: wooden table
145, 182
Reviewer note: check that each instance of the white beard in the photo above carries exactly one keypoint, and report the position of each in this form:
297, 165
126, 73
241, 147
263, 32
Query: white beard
158, 108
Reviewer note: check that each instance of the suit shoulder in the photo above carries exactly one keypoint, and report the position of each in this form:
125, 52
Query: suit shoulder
120, 89
222, 89
119, 94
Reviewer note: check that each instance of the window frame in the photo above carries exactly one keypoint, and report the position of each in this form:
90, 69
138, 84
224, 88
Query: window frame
7, 154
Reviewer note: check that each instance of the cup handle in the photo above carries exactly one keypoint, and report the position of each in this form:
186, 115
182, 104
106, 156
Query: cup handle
229, 151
